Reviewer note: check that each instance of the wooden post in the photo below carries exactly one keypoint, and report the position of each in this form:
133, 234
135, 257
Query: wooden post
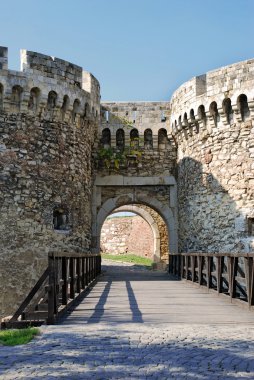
65, 281
235, 264
78, 275
208, 271
200, 270
182, 265
83, 284
248, 268
218, 271
192, 268
72, 278
94, 268
51, 290
86, 273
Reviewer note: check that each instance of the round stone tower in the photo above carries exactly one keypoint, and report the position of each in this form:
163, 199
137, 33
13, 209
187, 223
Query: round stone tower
212, 122
49, 114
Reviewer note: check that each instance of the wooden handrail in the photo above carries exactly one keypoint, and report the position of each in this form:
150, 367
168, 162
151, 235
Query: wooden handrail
218, 254
30, 296
72, 254
68, 275
230, 274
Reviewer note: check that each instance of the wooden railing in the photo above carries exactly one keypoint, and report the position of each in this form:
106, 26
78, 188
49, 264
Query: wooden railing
65, 280
230, 274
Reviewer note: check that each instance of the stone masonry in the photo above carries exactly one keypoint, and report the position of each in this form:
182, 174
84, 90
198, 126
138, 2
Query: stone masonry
212, 121
67, 162
48, 122
119, 236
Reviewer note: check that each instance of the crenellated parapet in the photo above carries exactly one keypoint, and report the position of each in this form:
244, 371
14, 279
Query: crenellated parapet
136, 134
48, 87
219, 98
147, 121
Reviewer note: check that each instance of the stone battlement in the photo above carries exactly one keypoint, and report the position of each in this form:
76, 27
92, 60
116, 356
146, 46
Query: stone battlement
148, 119
49, 87
223, 96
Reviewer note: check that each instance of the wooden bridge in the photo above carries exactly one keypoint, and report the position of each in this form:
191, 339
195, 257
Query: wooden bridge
74, 285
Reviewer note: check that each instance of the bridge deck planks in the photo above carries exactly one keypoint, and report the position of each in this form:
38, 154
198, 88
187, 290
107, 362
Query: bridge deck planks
125, 294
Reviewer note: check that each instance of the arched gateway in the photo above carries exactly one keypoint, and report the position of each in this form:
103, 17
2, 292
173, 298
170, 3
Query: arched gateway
158, 193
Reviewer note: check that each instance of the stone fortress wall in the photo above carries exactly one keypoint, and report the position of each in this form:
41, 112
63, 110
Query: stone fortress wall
49, 115
55, 193
212, 121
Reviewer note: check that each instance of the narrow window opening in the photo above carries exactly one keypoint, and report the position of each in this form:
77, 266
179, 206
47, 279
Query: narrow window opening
61, 219
228, 110
243, 106
134, 137
16, 98
52, 100
163, 117
120, 139
251, 226
34, 99
76, 109
162, 139
148, 139
106, 138
107, 116
214, 113
134, 116
202, 114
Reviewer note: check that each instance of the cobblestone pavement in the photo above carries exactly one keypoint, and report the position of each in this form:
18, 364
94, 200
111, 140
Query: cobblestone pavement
131, 350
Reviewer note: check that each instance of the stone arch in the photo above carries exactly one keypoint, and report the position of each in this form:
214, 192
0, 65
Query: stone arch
120, 139
65, 105
16, 98
185, 120
52, 97
34, 99
214, 113
113, 203
192, 116
227, 109
149, 219
162, 138
202, 114
134, 138
76, 109
148, 139
106, 138
242, 104
180, 121
87, 110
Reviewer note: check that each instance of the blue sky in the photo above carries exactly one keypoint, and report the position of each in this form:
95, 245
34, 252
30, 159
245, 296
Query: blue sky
138, 49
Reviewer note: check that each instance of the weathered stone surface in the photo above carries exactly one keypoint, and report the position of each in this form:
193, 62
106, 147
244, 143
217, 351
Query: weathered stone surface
215, 162
119, 235
45, 164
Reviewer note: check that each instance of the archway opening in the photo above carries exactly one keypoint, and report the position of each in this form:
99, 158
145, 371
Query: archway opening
138, 230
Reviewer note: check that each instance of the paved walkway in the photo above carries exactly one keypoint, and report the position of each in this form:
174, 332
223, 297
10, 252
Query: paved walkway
136, 324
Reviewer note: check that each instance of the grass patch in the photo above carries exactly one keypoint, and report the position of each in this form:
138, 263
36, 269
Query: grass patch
129, 259
16, 337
